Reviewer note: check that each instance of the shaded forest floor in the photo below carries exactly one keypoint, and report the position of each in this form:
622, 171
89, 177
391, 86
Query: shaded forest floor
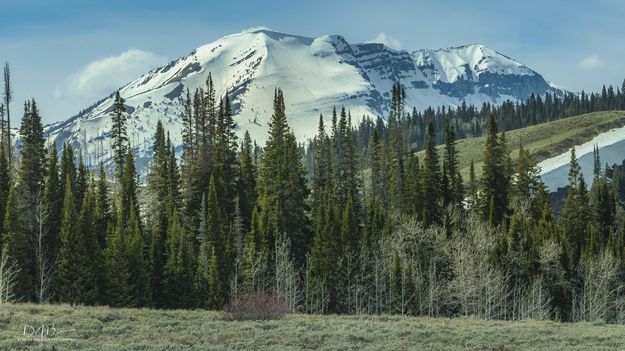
102, 328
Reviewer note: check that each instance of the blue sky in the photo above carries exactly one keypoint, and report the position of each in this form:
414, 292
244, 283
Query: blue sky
69, 54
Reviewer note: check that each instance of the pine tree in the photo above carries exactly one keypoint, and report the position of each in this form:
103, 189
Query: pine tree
16, 242
8, 97
226, 166
212, 261
414, 202
430, 181
68, 168
128, 189
215, 288
159, 209
173, 176
571, 223
248, 271
378, 170
86, 232
178, 269
596, 162
528, 187
5, 187
247, 181
326, 247
52, 205
119, 137
103, 207
33, 155
118, 291
494, 181
604, 211
282, 186
72, 276
139, 280
454, 194
473, 184
397, 147
350, 227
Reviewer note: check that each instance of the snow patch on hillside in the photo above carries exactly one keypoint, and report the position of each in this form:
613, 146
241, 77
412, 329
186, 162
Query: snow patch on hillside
611, 150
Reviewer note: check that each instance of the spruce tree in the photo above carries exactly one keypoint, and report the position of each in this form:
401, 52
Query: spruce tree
247, 181
454, 194
53, 197
68, 168
33, 155
178, 269
128, 189
326, 247
494, 182
103, 207
397, 147
473, 184
8, 97
159, 208
596, 162
212, 261
378, 170
413, 198
215, 286
87, 233
72, 276
17, 246
282, 186
119, 137
5, 187
226, 166
118, 292
430, 181
139, 280
571, 224
604, 211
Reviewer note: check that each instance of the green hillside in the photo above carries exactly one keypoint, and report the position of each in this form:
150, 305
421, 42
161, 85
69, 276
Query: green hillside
543, 140
102, 328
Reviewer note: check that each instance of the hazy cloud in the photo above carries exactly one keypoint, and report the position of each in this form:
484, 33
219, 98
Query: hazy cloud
387, 40
591, 62
104, 75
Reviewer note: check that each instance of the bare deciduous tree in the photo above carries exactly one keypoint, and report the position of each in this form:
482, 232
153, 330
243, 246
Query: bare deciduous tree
286, 280
8, 277
45, 268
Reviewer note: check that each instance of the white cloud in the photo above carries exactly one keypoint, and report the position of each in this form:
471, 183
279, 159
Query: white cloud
387, 40
104, 75
591, 62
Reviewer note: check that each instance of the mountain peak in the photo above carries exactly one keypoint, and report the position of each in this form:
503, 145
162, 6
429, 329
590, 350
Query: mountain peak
315, 74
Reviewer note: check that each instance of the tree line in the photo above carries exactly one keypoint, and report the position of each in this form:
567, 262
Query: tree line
229, 218
471, 121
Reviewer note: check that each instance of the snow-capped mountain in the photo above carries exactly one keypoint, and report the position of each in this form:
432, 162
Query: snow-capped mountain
315, 74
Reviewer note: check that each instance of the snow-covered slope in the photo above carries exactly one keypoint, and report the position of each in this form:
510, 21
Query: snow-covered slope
554, 171
315, 74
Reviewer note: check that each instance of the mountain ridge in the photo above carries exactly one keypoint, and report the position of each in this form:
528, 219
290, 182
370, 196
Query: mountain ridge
315, 73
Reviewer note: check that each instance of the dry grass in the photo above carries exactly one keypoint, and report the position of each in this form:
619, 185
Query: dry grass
102, 328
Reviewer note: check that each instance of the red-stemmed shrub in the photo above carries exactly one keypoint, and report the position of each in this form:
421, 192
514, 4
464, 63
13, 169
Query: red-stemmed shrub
257, 306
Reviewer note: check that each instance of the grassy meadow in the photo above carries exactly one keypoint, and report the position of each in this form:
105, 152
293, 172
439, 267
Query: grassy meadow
102, 328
